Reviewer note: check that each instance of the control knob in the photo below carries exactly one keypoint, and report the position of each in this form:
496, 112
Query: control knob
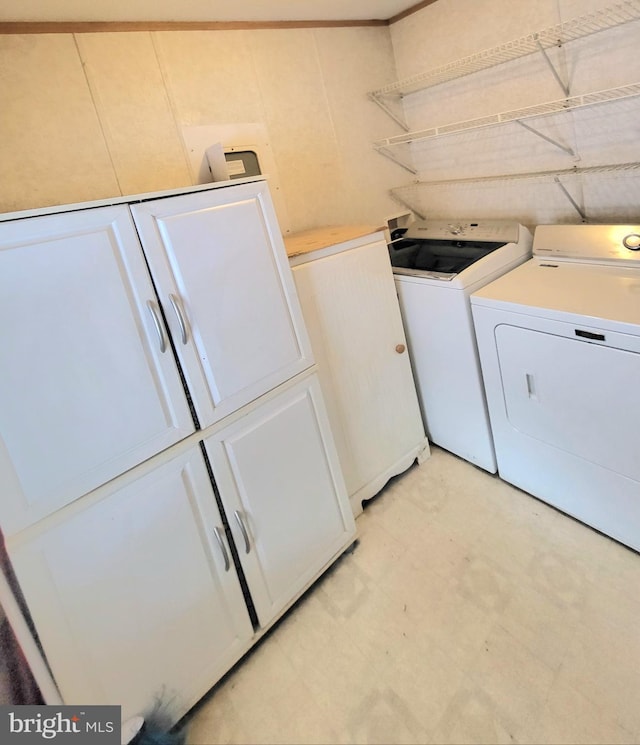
632, 241
456, 229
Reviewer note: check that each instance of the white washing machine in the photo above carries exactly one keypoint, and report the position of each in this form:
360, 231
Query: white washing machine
437, 265
559, 342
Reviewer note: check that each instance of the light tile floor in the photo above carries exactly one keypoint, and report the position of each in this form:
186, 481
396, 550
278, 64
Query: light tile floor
468, 612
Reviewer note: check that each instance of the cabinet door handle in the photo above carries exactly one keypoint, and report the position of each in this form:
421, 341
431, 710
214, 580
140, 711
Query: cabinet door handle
223, 549
243, 530
400, 348
177, 309
158, 326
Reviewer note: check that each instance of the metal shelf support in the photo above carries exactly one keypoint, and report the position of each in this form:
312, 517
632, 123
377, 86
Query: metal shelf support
556, 74
557, 144
397, 117
388, 154
574, 204
406, 204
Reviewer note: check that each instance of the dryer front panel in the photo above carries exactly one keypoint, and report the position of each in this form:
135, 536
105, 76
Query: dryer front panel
580, 397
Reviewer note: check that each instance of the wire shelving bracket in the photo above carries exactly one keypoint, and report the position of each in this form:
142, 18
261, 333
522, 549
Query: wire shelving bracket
396, 113
407, 204
552, 67
548, 139
572, 201
392, 156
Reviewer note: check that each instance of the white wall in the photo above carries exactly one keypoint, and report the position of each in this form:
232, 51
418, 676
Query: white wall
89, 116
607, 133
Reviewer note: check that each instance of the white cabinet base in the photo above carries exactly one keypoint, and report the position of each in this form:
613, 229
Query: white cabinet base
129, 592
129, 588
418, 454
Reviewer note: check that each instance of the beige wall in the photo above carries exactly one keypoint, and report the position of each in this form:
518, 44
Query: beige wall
90, 116
607, 133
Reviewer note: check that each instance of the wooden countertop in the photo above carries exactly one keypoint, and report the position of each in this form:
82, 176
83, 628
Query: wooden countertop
312, 240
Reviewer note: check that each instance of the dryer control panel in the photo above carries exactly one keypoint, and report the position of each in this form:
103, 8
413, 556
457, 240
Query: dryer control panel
597, 244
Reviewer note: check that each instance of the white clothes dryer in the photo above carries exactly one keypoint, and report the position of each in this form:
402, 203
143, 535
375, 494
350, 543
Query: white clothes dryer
437, 265
559, 343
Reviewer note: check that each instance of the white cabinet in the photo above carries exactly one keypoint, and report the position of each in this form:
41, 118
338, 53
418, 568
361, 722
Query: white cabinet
158, 403
85, 392
351, 309
129, 593
280, 480
227, 294
89, 385
133, 589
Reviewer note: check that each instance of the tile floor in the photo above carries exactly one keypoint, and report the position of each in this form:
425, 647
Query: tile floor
469, 612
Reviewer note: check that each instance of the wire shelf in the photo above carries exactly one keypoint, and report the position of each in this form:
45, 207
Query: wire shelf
567, 172
561, 33
542, 109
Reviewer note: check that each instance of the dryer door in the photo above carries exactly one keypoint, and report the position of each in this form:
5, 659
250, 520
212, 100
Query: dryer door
579, 397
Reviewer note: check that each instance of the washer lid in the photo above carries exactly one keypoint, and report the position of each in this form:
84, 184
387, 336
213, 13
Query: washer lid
441, 250
554, 288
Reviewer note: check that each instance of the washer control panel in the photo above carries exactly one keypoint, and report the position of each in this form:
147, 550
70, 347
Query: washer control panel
492, 231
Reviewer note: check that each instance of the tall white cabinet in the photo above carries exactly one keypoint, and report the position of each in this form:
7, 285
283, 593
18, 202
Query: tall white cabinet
170, 483
348, 297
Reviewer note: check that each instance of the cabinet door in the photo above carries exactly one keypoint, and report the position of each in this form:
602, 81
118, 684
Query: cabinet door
85, 390
129, 593
223, 278
352, 313
278, 474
